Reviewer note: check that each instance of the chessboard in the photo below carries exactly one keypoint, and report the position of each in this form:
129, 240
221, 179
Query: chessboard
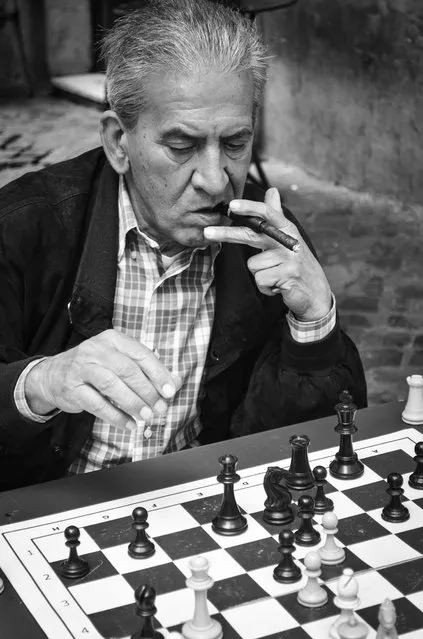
386, 557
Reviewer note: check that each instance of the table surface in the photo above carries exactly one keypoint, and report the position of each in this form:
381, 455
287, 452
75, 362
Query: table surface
152, 474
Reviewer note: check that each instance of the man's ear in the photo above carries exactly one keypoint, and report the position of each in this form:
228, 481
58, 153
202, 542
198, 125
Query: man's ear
113, 139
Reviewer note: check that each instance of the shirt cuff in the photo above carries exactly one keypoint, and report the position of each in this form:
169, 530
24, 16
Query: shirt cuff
20, 399
314, 331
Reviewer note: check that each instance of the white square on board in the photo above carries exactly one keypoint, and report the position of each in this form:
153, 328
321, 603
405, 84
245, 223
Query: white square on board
264, 578
259, 619
251, 499
54, 546
378, 552
169, 520
103, 594
119, 558
177, 607
370, 585
368, 477
415, 520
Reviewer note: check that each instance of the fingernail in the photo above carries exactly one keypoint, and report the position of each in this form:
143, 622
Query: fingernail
160, 407
168, 390
146, 413
234, 205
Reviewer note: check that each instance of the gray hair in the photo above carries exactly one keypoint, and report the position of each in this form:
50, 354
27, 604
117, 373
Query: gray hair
178, 36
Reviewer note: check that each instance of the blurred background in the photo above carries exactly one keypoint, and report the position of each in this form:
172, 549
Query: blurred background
340, 135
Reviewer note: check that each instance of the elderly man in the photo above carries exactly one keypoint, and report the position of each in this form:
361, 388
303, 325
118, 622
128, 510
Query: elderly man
134, 319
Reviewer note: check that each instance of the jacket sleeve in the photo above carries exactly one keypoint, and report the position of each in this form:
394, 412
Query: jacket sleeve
292, 382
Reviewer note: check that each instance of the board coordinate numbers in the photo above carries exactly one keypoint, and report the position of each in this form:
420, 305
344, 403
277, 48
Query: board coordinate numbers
383, 555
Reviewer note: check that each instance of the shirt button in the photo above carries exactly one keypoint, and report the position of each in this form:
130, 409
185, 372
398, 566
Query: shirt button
148, 432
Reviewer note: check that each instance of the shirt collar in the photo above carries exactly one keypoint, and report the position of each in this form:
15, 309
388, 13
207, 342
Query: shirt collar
128, 222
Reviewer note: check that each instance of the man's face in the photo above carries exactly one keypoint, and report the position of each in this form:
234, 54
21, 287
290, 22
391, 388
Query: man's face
190, 150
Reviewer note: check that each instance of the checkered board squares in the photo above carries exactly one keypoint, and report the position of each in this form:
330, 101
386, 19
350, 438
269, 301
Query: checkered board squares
247, 601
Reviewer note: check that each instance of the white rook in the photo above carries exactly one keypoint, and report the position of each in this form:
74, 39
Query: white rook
413, 411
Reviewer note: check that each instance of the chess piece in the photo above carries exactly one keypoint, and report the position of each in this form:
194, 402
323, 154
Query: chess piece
321, 503
277, 507
346, 464
74, 567
312, 595
229, 521
299, 476
413, 411
330, 553
141, 547
387, 618
353, 629
416, 479
395, 511
306, 535
1, 585
346, 600
287, 571
145, 597
202, 625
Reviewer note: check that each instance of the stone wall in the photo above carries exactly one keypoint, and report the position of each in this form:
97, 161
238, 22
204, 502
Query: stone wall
345, 95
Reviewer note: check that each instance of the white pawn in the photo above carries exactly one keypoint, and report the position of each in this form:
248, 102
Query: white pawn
413, 411
202, 625
331, 554
312, 595
387, 618
353, 629
346, 599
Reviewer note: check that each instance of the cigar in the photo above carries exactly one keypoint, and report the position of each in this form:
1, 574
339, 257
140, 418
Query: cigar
259, 225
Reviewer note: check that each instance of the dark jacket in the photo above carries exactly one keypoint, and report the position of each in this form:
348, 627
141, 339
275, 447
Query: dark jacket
58, 255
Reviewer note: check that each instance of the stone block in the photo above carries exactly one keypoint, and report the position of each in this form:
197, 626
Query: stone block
366, 304
381, 357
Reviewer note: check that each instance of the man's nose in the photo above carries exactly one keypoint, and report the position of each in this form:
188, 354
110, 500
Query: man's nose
211, 174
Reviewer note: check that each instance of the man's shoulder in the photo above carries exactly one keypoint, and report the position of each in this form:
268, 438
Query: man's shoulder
53, 184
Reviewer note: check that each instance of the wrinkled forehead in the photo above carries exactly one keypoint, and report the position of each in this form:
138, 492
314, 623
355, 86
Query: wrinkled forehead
212, 100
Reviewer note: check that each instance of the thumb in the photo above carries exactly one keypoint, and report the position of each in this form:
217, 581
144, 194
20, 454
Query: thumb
276, 215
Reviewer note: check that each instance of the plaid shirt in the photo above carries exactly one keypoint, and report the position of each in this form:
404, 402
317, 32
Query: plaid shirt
167, 304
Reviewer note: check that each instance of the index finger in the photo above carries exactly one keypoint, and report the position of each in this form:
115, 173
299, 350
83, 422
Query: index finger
269, 210
166, 383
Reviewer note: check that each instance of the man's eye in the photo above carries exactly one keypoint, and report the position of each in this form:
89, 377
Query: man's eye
235, 146
181, 149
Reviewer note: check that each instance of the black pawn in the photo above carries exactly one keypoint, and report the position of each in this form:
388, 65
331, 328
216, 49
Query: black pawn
395, 511
145, 597
287, 571
74, 567
141, 547
299, 476
416, 479
322, 504
229, 521
306, 535
346, 464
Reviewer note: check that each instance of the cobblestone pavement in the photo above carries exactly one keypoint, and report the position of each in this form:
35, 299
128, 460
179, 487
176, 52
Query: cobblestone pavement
370, 247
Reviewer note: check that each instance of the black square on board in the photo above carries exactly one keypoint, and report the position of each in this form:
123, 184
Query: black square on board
184, 543
413, 538
396, 461
164, 578
306, 615
112, 532
234, 591
351, 561
406, 577
292, 633
275, 530
256, 554
116, 622
409, 617
100, 567
205, 509
370, 496
352, 530
228, 631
